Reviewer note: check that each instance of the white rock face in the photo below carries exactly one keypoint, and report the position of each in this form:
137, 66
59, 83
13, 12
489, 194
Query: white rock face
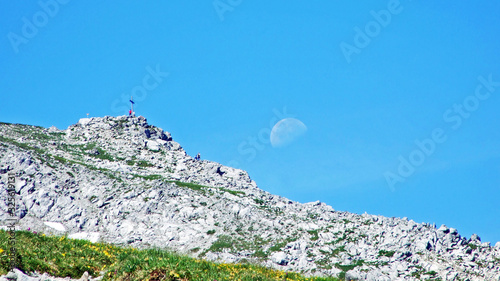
89, 236
153, 145
121, 180
17, 274
55, 225
280, 258
84, 121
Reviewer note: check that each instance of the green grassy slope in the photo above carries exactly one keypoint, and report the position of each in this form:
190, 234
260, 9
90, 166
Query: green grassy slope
63, 257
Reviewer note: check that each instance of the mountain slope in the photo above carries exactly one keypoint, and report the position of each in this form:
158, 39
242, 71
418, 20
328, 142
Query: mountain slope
121, 180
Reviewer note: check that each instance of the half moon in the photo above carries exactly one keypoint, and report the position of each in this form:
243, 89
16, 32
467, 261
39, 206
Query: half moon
286, 131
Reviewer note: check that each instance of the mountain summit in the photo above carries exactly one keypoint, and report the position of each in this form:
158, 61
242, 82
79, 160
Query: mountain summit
123, 181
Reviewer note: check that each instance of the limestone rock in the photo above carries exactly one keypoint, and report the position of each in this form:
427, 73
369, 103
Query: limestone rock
142, 189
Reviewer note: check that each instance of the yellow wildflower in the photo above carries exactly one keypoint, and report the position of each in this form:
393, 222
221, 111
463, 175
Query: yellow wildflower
174, 274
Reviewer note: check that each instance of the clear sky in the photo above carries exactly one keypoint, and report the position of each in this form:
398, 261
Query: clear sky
400, 99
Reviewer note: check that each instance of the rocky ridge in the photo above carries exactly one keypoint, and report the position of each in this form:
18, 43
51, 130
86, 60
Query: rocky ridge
121, 180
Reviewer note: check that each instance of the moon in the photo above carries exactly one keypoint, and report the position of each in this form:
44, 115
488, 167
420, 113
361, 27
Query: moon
286, 131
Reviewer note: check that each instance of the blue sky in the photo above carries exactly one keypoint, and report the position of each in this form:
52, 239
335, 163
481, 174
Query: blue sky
369, 79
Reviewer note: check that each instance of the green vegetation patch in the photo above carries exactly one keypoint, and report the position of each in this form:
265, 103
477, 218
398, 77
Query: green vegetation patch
314, 234
193, 186
62, 257
57, 134
235, 244
149, 177
22, 145
102, 155
472, 246
233, 192
223, 242
259, 201
348, 267
338, 250
386, 253
324, 263
60, 159
260, 254
278, 246
143, 164
313, 216
368, 222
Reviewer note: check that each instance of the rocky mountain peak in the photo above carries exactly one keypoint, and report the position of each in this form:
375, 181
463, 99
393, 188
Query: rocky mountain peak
118, 127
124, 181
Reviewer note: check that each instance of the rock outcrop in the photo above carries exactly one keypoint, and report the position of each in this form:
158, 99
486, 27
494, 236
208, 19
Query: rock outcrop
121, 180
